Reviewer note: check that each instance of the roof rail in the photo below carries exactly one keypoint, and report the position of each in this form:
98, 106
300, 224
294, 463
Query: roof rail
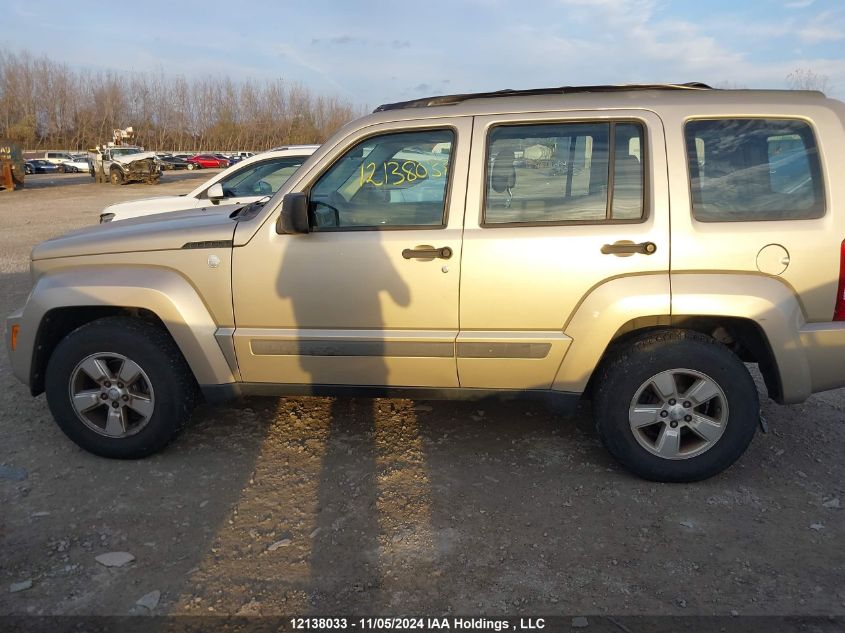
426, 102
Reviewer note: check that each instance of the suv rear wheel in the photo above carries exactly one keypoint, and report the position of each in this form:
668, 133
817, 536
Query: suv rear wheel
119, 387
675, 406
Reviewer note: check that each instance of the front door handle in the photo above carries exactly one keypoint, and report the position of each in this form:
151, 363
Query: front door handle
629, 248
427, 252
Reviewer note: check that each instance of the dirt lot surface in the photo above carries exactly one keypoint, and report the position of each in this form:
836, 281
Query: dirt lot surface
321, 506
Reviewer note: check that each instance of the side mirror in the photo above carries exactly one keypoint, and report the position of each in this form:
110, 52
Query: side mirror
263, 187
294, 216
215, 192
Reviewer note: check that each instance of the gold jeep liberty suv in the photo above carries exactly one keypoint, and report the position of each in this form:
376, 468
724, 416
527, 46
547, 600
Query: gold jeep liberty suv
636, 245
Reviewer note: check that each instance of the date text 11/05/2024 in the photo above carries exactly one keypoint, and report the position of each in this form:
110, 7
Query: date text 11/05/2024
417, 624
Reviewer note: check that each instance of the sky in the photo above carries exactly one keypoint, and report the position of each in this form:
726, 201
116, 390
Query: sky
372, 52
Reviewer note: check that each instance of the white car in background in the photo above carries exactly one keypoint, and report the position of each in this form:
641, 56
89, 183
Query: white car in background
244, 182
75, 165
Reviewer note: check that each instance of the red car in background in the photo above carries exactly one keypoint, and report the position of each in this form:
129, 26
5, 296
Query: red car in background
206, 161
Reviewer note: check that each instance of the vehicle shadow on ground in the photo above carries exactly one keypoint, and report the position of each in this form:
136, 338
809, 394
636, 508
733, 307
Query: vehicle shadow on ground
352, 506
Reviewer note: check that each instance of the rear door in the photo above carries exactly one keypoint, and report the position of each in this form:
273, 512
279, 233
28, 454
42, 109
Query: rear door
558, 204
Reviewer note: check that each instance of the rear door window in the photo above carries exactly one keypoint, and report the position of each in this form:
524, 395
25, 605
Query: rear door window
556, 173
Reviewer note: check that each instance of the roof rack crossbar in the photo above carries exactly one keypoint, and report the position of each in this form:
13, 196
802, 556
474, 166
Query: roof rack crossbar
439, 100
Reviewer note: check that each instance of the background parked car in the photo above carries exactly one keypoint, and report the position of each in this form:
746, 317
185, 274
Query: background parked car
173, 162
40, 166
239, 156
57, 158
236, 157
207, 161
74, 166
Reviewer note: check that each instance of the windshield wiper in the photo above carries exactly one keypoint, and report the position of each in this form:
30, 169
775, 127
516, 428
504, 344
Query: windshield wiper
252, 206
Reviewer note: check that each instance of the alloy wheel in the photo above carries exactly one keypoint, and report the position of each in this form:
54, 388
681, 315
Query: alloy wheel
111, 394
678, 414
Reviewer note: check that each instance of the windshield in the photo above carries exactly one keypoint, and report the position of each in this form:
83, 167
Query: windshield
263, 178
125, 151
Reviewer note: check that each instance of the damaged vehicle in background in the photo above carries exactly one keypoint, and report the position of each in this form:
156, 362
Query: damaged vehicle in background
124, 163
245, 182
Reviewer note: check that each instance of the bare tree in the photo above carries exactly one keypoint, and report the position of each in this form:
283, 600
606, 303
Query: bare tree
46, 104
806, 79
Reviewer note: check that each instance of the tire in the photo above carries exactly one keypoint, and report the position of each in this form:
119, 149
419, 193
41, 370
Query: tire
27, 169
116, 176
660, 375
159, 400
191, 167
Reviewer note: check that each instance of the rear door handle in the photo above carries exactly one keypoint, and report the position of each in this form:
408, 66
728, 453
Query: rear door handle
427, 252
629, 248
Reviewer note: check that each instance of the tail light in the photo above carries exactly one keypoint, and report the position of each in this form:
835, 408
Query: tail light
839, 309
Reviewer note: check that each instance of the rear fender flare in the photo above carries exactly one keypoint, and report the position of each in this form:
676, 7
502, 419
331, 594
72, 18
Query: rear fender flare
600, 315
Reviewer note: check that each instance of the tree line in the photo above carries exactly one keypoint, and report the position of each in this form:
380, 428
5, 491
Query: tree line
45, 104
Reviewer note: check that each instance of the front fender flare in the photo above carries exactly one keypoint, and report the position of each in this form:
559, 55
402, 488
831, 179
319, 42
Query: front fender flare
161, 291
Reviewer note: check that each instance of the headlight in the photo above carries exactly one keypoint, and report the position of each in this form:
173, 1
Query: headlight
106, 217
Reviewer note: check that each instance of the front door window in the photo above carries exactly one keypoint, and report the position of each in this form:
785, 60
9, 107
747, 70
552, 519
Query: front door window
389, 181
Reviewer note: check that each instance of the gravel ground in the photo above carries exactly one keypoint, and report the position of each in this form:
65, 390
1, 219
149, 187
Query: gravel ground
322, 506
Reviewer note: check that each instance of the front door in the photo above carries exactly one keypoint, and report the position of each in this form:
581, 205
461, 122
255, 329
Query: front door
370, 296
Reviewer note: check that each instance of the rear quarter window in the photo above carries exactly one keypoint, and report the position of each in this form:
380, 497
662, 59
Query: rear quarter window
745, 170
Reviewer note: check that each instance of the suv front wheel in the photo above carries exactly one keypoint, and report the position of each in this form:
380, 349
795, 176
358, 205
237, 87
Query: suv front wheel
119, 387
675, 406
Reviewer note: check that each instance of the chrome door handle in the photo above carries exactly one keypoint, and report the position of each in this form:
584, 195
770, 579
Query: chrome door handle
427, 252
629, 248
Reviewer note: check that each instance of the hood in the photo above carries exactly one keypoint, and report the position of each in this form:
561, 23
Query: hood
166, 231
131, 158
